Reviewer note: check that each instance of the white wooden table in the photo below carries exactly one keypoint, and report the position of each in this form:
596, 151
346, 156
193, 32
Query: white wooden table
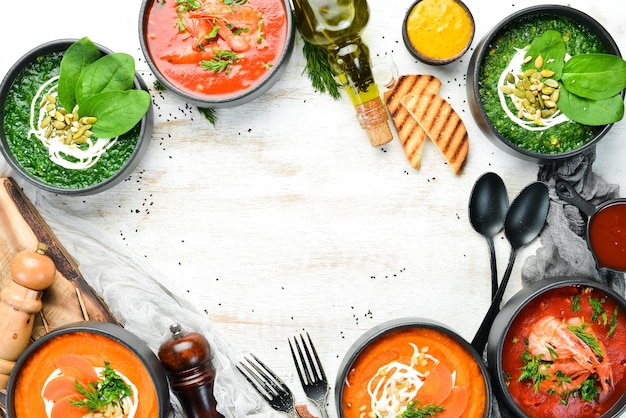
282, 217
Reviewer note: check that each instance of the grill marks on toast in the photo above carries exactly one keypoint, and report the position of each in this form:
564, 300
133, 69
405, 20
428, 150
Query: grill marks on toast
442, 124
411, 135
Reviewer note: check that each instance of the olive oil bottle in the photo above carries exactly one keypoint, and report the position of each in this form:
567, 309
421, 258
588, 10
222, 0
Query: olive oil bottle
336, 25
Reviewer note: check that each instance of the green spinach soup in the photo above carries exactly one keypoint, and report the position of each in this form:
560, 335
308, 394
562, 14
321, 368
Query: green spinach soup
79, 166
505, 57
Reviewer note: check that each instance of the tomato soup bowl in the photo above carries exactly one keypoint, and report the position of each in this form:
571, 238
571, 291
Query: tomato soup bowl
170, 41
416, 348
536, 317
95, 342
32, 163
489, 61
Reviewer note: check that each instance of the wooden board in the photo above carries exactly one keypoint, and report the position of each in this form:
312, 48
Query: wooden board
70, 298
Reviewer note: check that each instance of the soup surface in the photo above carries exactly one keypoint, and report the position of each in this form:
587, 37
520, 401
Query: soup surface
421, 366
607, 236
43, 366
565, 354
558, 138
215, 49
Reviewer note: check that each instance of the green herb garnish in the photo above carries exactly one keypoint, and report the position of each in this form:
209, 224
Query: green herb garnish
110, 389
101, 87
592, 83
532, 369
613, 322
599, 313
222, 61
576, 303
587, 338
415, 410
318, 70
209, 114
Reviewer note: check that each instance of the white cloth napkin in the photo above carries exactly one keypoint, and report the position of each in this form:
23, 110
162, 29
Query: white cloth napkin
146, 304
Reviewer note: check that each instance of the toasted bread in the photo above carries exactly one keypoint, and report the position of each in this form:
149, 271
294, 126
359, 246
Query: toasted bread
411, 135
442, 124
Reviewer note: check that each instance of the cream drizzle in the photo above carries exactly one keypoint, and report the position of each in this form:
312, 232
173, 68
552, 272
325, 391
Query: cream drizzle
515, 67
395, 384
84, 156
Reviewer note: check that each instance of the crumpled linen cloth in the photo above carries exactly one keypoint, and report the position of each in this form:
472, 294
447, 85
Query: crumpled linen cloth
564, 251
145, 304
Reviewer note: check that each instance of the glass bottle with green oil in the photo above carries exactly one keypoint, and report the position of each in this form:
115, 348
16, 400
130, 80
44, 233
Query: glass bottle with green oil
336, 25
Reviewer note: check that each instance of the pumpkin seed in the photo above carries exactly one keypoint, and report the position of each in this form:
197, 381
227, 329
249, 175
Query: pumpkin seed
506, 89
45, 122
510, 78
539, 62
550, 82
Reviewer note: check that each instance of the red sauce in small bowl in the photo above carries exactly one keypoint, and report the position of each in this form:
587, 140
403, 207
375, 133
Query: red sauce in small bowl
607, 235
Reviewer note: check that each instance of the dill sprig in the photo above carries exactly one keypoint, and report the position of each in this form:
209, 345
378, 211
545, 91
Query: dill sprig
416, 410
209, 113
110, 389
318, 69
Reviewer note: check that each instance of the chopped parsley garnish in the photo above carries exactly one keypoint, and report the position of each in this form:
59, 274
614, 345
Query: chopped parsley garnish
415, 410
599, 313
576, 303
110, 389
613, 322
532, 369
222, 61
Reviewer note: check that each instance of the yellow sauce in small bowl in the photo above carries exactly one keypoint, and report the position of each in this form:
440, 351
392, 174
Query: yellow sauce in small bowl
438, 31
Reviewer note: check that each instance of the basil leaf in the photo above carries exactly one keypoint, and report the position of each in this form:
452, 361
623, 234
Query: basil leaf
114, 71
117, 111
595, 76
551, 47
591, 112
78, 56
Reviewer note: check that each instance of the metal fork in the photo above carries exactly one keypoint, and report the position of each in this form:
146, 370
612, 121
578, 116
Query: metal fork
269, 385
311, 372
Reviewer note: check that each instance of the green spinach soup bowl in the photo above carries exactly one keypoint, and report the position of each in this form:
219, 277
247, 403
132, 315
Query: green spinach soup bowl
520, 76
67, 152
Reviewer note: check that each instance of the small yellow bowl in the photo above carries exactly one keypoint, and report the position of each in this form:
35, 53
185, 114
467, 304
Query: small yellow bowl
438, 32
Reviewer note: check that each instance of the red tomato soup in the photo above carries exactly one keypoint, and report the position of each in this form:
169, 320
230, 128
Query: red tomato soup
209, 48
565, 354
607, 236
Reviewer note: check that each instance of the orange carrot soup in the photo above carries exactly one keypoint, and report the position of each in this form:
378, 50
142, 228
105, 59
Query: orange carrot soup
565, 354
216, 49
415, 369
49, 380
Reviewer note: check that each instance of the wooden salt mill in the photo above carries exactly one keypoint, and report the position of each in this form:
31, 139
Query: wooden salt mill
31, 272
186, 359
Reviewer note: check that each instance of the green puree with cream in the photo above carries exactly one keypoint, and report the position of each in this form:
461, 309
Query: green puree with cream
32, 155
561, 137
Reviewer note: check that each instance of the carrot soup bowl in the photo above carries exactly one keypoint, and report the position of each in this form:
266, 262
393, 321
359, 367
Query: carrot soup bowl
216, 55
43, 381
412, 363
43, 157
505, 57
558, 348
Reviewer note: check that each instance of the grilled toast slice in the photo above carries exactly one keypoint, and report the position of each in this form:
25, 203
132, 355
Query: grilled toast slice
411, 135
442, 124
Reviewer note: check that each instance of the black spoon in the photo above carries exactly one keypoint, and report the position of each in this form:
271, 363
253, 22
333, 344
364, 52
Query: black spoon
524, 220
488, 205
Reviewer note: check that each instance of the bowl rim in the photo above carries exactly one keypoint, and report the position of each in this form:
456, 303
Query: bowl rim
229, 101
143, 138
509, 313
396, 324
473, 79
434, 61
116, 333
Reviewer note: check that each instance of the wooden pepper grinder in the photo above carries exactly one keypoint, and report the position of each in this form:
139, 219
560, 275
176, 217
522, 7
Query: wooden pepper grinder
31, 272
186, 359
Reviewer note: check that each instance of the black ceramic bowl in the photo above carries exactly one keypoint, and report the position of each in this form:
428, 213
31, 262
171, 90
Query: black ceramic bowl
126, 352
149, 35
486, 46
142, 134
438, 336
449, 26
512, 320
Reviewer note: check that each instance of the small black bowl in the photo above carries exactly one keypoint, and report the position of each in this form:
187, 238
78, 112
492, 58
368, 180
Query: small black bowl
143, 135
37, 357
385, 328
218, 101
484, 47
505, 320
419, 55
